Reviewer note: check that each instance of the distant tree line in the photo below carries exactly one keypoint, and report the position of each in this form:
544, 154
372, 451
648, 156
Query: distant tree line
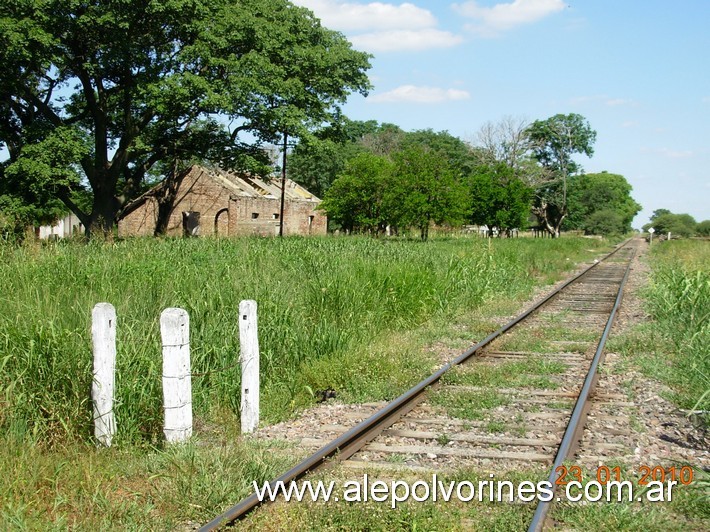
683, 225
372, 176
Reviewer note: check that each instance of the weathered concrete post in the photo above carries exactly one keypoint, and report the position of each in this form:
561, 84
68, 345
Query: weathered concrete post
103, 341
249, 357
177, 386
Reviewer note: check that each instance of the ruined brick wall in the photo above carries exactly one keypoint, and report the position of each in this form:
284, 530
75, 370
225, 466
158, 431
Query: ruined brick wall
255, 216
303, 219
198, 192
260, 216
225, 213
139, 222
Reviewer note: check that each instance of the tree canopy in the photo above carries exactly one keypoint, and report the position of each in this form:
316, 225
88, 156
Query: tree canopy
703, 228
499, 199
427, 190
95, 94
414, 187
319, 158
359, 198
605, 193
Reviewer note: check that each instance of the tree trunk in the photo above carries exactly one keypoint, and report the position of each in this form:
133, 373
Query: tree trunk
165, 197
558, 225
104, 211
425, 232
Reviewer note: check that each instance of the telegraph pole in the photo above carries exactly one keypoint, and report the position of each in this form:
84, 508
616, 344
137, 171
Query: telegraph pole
283, 187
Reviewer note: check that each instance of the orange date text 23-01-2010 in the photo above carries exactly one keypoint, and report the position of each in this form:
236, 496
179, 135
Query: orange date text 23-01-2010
682, 475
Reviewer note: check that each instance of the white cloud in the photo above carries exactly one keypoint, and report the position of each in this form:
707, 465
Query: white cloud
629, 123
381, 26
405, 40
353, 16
414, 94
492, 20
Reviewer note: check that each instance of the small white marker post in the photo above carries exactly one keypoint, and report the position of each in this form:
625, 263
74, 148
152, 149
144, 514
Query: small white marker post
651, 230
177, 386
103, 342
249, 357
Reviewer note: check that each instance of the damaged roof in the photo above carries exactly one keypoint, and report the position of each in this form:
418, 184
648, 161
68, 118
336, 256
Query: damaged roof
252, 186
240, 185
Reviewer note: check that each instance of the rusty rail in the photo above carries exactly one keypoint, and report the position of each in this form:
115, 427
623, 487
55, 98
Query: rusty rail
575, 427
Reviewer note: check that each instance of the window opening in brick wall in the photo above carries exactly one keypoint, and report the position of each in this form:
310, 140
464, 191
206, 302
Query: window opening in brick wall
254, 215
275, 216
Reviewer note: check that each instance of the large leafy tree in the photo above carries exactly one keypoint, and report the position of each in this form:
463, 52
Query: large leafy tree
456, 154
605, 193
398, 179
554, 142
122, 85
499, 199
426, 190
358, 199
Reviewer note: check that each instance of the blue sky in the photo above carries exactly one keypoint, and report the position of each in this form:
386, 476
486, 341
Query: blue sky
638, 70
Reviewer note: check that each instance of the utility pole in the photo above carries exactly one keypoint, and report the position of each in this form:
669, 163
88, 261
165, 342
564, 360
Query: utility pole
283, 187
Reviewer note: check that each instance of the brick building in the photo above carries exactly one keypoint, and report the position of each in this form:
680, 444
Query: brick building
215, 202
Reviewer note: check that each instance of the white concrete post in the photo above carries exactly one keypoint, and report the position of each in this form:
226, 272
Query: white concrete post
177, 386
249, 357
103, 342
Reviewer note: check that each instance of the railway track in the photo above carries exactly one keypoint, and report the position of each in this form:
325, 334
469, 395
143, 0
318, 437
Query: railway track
519, 397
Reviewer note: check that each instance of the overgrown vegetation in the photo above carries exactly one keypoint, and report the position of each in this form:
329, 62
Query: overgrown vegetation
673, 347
95, 96
321, 304
679, 301
352, 313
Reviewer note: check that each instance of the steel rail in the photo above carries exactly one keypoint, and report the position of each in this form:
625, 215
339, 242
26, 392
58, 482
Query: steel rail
354, 439
575, 427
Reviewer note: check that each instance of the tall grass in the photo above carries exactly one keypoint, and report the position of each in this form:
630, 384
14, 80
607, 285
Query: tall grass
319, 299
679, 300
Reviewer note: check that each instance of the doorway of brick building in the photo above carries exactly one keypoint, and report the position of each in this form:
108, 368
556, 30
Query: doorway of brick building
221, 222
191, 223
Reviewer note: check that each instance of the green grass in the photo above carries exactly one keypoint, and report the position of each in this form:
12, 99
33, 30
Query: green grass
675, 346
81, 487
355, 314
688, 509
542, 338
468, 405
530, 372
321, 301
